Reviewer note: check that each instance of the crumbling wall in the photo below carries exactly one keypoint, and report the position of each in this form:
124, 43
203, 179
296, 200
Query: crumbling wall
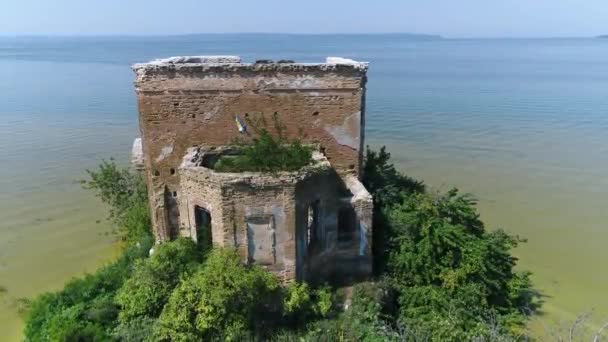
237, 203
363, 204
275, 202
185, 102
334, 259
200, 190
322, 191
266, 217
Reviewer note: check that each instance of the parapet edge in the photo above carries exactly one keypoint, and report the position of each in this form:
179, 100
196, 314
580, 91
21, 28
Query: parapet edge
234, 63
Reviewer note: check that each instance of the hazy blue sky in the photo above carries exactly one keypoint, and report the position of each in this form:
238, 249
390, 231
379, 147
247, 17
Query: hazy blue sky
452, 18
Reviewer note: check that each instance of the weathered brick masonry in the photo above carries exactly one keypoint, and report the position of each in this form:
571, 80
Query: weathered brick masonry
298, 224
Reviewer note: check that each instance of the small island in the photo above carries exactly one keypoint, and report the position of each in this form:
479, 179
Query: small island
233, 228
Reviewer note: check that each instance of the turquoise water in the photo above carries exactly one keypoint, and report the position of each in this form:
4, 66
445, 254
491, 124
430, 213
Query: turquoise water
520, 123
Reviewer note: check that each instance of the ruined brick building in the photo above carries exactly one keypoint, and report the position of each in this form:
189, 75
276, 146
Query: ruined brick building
311, 224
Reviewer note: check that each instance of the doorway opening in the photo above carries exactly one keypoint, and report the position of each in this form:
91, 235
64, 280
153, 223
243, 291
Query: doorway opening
202, 219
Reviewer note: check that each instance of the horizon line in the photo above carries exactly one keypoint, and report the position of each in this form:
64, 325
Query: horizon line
144, 35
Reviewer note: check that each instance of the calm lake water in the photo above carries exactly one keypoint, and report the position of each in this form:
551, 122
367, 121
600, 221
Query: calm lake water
522, 124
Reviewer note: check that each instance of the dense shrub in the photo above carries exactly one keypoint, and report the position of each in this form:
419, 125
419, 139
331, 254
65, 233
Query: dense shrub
449, 271
145, 293
363, 320
387, 186
452, 277
84, 306
300, 302
267, 152
223, 299
136, 330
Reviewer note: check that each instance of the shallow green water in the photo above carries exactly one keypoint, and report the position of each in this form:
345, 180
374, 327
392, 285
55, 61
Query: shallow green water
520, 123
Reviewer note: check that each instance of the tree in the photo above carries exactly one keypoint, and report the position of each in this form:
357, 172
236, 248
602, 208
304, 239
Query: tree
387, 187
126, 194
451, 275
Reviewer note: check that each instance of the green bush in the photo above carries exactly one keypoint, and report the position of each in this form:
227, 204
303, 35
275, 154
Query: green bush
136, 330
222, 300
153, 279
453, 278
267, 153
301, 303
364, 320
388, 187
445, 264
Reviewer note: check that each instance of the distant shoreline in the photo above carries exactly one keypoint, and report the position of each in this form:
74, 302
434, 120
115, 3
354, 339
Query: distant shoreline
410, 35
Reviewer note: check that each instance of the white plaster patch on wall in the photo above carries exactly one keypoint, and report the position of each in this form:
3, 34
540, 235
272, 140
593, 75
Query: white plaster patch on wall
358, 190
209, 115
137, 154
347, 61
363, 243
300, 82
164, 153
348, 133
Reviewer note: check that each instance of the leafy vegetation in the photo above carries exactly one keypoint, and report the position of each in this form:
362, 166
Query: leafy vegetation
453, 279
267, 152
441, 276
223, 299
84, 310
126, 195
152, 280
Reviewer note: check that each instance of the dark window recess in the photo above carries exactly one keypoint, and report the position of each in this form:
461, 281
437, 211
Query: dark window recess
202, 219
156, 173
347, 224
174, 193
315, 113
172, 171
